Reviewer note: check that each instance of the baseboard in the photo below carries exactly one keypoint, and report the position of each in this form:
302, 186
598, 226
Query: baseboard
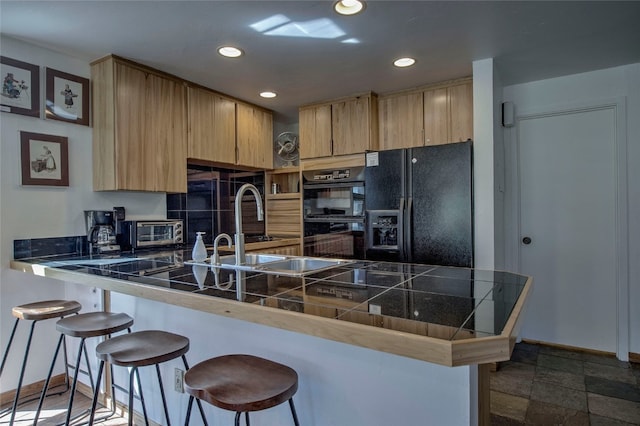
30, 390
34, 389
633, 357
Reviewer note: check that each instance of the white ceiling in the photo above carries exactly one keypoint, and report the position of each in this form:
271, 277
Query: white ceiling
308, 56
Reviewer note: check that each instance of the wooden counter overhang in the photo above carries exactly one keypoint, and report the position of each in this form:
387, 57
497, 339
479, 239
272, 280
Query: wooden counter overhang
481, 350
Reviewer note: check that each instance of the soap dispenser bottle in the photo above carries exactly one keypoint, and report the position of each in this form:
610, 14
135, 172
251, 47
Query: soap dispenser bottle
199, 253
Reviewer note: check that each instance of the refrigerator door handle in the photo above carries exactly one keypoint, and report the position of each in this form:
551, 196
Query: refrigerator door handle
400, 230
409, 225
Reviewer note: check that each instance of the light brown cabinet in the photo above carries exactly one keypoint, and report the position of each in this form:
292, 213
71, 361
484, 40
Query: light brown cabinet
401, 121
342, 127
428, 116
212, 126
283, 209
254, 140
315, 131
139, 129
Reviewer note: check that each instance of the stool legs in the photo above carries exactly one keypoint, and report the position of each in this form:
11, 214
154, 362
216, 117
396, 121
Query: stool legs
24, 365
246, 414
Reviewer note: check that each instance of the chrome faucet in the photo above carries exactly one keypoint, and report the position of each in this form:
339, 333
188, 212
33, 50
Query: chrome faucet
215, 259
239, 236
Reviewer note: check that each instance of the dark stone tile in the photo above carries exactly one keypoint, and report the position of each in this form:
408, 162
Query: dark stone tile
176, 202
509, 406
524, 346
608, 372
560, 363
564, 353
512, 384
606, 421
619, 409
540, 413
524, 356
559, 395
504, 421
560, 378
612, 388
606, 360
21, 249
518, 369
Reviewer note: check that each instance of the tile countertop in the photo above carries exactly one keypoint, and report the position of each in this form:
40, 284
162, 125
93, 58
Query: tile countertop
449, 316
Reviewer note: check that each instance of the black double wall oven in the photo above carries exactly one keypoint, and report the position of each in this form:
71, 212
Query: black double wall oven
334, 213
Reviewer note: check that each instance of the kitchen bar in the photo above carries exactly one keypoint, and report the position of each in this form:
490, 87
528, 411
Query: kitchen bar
445, 316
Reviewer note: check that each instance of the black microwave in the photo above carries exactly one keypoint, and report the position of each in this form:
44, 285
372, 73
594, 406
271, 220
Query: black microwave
144, 234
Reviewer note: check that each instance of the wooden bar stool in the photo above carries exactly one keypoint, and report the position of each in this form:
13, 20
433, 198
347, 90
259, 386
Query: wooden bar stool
138, 349
37, 311
84, 326
241, 383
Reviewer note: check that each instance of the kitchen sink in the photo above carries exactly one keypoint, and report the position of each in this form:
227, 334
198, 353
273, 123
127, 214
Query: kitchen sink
251, 259
294, 266
300, 266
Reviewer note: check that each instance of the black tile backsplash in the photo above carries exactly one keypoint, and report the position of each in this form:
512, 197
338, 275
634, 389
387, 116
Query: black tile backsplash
208, 205
39, 247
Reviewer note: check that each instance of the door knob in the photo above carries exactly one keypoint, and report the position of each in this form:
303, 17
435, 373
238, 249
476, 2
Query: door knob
526, 240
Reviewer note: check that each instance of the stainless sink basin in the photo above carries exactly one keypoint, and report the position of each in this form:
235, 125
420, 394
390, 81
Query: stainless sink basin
252, 259
299, 266
294, 266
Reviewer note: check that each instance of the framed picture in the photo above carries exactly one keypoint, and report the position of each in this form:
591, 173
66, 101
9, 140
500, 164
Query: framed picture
20, 87
67, 97
44, 159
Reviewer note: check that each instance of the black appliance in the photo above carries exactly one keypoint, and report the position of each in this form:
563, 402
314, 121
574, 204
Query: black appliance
333, 220
148, 234
419, 205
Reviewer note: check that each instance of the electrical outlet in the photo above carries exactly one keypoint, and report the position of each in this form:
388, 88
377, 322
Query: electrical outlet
178, 380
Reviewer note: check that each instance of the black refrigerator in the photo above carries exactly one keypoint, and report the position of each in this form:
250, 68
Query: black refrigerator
419, 205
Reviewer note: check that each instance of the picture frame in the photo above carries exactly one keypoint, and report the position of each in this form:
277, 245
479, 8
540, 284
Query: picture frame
67, 97
44, 159
20, 92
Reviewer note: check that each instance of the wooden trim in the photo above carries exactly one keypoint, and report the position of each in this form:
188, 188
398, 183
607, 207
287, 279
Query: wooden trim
336, 100
634, 357
30, 389
484, 395
148, 69
424, 348
430, 86
353, 160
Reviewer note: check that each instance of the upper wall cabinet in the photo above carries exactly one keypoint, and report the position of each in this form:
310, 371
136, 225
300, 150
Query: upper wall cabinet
401, 121
254, 143
345, 126
139, 129
315, 131
212, 126
429, 116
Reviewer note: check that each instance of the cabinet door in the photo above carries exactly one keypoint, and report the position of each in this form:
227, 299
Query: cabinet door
351, 126
436, 117
315, 131
212, 127
401, 121
461, 112
132, 168
255, 137
166, 135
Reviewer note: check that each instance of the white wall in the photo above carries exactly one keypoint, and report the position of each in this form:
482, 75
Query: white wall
339, 384
591, 87
36, 212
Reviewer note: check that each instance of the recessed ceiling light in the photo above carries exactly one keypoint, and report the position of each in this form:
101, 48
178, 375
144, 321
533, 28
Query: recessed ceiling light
268, 94
348, 7
404, 62
230, 51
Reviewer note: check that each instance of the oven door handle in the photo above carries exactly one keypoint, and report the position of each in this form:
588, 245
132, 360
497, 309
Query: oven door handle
400, 230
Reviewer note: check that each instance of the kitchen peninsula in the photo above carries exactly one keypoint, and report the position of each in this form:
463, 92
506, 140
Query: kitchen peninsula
441, 321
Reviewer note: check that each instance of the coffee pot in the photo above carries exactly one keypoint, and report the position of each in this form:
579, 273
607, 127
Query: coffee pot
101, 233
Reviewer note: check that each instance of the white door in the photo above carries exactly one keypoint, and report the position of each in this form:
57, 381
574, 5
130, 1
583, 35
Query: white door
567, 187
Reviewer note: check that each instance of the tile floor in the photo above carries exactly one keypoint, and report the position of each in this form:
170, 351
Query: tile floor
543, 385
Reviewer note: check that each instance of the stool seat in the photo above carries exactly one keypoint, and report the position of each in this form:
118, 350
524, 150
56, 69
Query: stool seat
94, 324
46, 309
142, 348
241, 383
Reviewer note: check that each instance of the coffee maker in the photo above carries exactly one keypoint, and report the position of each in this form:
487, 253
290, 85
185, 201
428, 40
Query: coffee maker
101, 232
